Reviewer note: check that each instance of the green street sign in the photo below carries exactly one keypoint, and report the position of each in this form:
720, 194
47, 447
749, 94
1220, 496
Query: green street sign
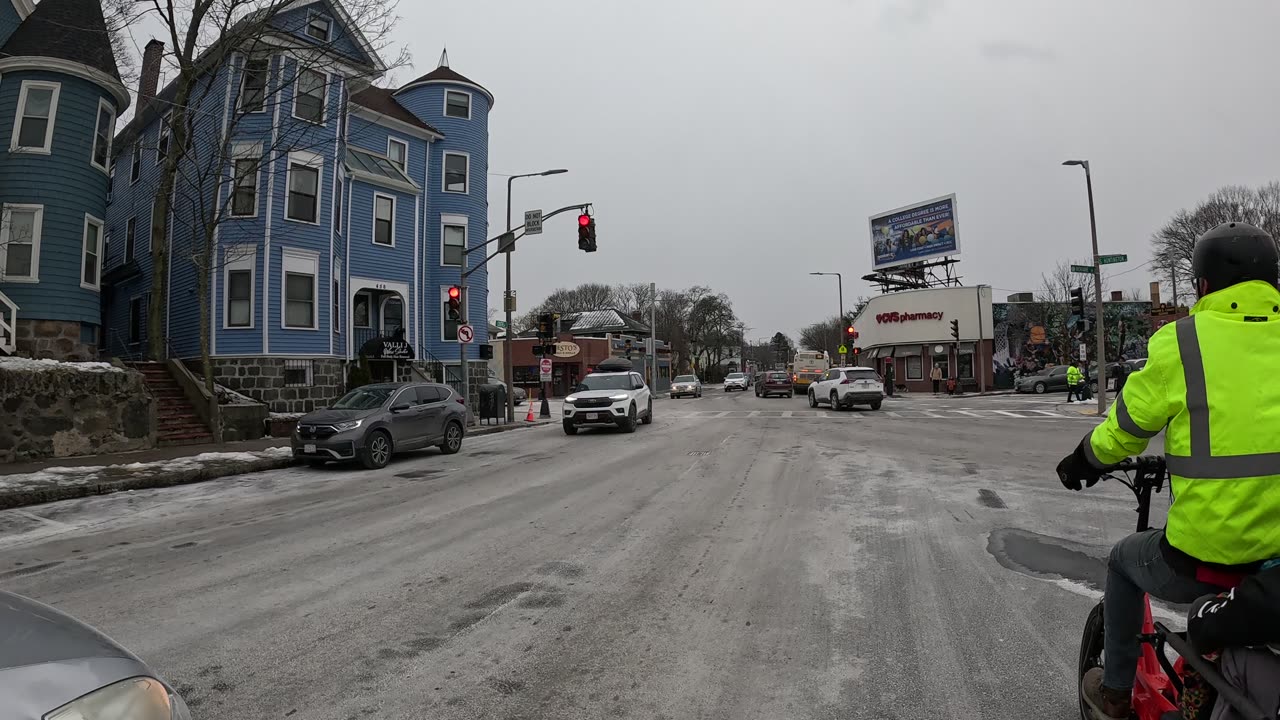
500, 323
1112, 259
1087, 269
842, 350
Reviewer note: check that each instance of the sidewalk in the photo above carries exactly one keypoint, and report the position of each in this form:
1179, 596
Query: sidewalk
33, 483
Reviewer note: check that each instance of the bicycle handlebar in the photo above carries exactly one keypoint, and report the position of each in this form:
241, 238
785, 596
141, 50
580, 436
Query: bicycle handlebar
1147, 463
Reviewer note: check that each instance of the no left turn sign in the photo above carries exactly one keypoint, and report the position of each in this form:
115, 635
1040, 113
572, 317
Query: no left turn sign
465, 334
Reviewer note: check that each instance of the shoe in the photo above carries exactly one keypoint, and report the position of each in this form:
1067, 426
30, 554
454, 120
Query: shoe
1106, 704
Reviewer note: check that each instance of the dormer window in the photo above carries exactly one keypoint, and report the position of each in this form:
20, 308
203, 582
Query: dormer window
457, 104
318, 28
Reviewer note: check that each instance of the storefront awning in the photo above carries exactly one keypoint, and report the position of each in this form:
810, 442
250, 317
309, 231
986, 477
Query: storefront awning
906, 350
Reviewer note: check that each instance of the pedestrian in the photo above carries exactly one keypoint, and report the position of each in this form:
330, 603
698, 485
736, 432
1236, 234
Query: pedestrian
1122, 373
888, 378
1075, 388
936, 376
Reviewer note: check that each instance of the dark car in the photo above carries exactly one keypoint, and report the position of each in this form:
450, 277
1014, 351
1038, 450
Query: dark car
54, 667
373, 422
774, 383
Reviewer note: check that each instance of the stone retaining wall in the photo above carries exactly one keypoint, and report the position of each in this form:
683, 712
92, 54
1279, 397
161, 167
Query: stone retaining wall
263, 379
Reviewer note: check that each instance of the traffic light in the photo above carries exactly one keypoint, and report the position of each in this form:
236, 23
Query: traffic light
955, 330
544, 325
586, 233
856, 351
849, 332
1077, 307
455, 303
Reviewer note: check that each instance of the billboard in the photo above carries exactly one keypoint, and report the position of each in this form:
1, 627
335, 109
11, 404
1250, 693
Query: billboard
914, 233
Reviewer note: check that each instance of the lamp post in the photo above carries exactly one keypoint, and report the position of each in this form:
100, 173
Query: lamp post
1097, 289
840, 290
507, 303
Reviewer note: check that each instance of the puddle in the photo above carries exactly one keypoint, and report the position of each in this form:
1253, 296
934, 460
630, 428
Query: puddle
1043, 556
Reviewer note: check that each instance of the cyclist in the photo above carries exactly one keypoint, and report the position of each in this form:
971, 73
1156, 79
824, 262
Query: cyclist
1210, 385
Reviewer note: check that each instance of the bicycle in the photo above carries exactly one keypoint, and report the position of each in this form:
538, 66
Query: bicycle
1158, 682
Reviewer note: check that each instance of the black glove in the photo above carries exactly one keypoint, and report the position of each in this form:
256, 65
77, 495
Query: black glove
1076, 467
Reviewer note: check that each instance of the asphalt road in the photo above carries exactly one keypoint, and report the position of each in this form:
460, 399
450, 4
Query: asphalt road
739, 558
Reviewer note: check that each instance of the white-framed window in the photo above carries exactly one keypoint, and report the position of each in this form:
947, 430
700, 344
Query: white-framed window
457, 169
20, 230
319, 27
135, 163
37, 111
453, 240
103, 131
915, 367
238, 272
299, 289
398, 154
448, 327
384, 220
360, 311
335, 312
308, 95
91, 255
253, 83
457, 104
130, 238
297, 372
244, 193
162, 140
304, 187
391, 315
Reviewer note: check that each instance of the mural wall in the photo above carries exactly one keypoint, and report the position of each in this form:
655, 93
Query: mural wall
1032, 335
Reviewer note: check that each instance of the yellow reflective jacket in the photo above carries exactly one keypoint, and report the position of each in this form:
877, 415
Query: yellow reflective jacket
1212, 383
1073, 376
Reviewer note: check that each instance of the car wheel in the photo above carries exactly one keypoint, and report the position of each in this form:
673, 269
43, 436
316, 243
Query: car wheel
875, 405
570, 428
377, 451
813, 399
648, 416
452, 442
629, 425
835, 401
1039, 388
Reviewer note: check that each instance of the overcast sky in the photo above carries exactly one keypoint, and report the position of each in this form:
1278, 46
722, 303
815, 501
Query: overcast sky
741, 144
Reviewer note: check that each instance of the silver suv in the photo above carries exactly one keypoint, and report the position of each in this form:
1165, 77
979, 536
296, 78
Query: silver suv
373, 422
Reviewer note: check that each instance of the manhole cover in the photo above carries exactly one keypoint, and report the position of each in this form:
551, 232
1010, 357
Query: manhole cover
699, 453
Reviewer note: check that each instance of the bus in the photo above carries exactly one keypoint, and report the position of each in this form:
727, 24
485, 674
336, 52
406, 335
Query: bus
806, 366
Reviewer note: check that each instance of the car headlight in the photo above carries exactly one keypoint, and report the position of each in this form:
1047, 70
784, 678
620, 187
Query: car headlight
348, 425
571, 399
140, 698
620, 396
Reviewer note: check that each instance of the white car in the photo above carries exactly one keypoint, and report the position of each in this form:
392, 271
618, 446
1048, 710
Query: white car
608, 398
844, 387
686, 385
735, 381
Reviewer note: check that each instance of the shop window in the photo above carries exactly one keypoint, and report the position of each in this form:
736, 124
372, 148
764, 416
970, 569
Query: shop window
915, 367
966, 366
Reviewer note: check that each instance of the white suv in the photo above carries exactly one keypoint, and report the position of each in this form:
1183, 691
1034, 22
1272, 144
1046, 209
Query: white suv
844, 387
604, 398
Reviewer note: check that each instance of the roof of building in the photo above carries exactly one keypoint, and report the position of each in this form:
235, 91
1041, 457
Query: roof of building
376, 166
383, 101
72, 30
444, 74
598, 321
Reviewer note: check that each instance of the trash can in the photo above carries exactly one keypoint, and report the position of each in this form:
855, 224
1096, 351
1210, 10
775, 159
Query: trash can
493, 403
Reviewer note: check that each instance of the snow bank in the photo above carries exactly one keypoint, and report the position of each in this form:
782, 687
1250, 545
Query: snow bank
286, 416
61, 477
227, 396
29, 365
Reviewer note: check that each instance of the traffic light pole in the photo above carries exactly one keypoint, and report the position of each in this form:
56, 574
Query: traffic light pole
1097, 291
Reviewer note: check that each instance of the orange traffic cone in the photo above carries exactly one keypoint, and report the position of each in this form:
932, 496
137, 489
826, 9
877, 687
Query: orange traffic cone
529, 417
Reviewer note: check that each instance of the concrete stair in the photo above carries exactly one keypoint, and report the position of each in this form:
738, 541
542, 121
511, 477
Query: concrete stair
177, 420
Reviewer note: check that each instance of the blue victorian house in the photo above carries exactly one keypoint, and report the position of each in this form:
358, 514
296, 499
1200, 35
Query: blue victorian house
60, 95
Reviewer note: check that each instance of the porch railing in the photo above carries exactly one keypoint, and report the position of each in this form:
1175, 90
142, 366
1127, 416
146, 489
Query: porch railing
8, 325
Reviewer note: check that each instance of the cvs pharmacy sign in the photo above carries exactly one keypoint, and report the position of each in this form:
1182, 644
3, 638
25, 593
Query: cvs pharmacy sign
894, 317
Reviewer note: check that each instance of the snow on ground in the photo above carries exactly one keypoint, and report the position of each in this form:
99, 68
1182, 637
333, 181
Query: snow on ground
227, 396
286, 416
64, 476
29, 365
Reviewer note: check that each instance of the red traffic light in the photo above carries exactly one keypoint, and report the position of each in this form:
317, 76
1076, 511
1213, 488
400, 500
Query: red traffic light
584, 219
455, 292
849, 330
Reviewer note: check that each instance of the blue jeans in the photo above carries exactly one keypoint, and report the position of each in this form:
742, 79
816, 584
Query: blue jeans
1137, 566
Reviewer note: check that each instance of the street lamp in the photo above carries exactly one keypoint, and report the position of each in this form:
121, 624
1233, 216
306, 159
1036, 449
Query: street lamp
1097, 288
840, 289
506, 302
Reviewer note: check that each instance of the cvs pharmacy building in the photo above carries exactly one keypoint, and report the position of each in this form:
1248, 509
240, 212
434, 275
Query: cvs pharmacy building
911, 330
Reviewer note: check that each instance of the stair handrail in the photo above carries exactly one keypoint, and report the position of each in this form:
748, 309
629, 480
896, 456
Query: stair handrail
8, 328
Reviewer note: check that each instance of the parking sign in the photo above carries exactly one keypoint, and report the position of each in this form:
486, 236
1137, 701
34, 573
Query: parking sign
544, 370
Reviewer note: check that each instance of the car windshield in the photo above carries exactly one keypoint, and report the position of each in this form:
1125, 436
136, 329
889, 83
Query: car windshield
365, 398
734, 376
604, 382
685, 379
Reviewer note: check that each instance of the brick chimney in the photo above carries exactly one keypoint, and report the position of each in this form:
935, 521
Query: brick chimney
151, 56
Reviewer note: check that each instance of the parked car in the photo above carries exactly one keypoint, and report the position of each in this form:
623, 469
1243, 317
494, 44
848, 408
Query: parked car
774, 383
686, 385
373, 422
1047, 380
735, 381
612, 396
517, 393
843, 387
54, 667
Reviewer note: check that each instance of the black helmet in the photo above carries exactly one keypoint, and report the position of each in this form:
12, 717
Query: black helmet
1233, 253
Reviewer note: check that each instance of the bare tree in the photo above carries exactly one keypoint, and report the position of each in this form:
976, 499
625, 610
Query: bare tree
202, 37
826, 335
1052, 309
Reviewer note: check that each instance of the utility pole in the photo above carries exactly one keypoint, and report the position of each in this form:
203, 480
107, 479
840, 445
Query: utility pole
653, 336
1097, 288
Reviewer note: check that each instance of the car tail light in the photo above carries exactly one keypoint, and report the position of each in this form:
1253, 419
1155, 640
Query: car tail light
460, 400
845, 380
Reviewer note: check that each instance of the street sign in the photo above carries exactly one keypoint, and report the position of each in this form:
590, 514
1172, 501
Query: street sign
1087, 269
466, 334
508, 304
544, 370
1112, 259
532, 222
501, 324
506, 242
842, 349
1084, 351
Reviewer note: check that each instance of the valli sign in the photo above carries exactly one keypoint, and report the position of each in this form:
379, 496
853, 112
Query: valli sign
894, 317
